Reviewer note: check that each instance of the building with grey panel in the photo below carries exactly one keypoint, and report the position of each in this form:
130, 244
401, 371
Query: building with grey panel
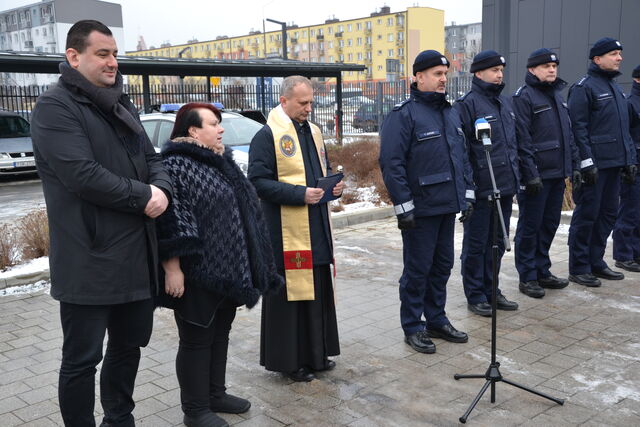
515, 28
42, 27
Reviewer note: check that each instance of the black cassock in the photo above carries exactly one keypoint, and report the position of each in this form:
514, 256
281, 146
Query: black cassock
295, 334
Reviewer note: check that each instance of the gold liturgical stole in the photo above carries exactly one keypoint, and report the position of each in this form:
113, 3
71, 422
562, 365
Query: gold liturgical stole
296, 233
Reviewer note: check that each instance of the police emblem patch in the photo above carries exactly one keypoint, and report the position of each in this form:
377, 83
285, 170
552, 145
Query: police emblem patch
502, 59
553, 57
444, 60
287, 146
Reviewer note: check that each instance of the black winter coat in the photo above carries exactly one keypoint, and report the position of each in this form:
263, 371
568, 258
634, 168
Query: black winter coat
96, 187
215, 226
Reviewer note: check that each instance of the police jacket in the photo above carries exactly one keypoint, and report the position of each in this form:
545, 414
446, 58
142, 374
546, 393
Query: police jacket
600, 117
422, 156
484, 101
543, 128
634, 101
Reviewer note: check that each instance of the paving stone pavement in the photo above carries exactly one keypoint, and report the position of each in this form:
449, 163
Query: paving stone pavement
578, 343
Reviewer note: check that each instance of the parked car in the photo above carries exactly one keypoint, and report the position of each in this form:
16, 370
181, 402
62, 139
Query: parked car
238, 132
16, 150
368, 116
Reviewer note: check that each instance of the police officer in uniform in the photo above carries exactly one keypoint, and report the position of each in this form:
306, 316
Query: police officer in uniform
425, 169
600, 121
626, 232
484, 101
547, 156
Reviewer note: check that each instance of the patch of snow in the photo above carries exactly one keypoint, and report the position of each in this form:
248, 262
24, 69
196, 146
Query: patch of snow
42, 285
355, 249
358, 206
622, 390
32, 266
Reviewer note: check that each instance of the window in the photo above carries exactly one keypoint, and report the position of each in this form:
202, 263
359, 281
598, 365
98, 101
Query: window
313, 33
379, 22
349, 28
331, 44
340, 28
350, 57
369, 40
359, 56
400, 20
271, 38
331, 59
341, 43
330, 30
359, 41
379, 36
359, 26
390, 37
400, 35
389, 22
44, 32
379, 67
349, 42
400, 51
368, 24
341, 58
390, 53
379, 52
304, 34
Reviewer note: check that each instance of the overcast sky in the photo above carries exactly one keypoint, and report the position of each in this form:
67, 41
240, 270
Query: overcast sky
177, 21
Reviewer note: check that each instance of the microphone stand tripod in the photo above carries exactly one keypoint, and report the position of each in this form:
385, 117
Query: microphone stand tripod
493, 375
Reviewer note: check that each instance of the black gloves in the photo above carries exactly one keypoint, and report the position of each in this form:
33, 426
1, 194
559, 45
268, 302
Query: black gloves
534, 186
629, 174
406, 221
590, 176
466, 214
576, 180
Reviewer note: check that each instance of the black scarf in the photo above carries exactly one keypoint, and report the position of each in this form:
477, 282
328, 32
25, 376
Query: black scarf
107, 99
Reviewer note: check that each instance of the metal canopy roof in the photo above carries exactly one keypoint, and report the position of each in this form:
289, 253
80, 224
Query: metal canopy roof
47, 63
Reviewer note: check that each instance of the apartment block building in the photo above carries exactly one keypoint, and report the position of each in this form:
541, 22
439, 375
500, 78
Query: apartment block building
386, 42
462, 43
42, 27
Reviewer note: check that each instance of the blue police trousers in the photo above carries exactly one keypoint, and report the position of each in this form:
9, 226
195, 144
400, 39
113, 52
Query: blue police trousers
427, 252
626, 231
476, 257
592, 222
538, 220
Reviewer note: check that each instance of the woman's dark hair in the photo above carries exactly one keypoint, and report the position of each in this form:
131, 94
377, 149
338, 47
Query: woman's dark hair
188, 116
79, 33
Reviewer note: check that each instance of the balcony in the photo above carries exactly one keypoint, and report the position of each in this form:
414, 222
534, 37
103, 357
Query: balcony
293, 40
367, 31
320, 37
339, 35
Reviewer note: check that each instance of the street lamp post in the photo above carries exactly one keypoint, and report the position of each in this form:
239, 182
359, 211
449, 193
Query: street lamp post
284, 36
188, 48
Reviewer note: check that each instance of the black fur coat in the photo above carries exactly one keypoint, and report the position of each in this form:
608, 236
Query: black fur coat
215, 225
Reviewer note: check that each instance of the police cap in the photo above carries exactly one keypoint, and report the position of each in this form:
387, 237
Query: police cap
486, 59
427, 59
604, 45
541, 56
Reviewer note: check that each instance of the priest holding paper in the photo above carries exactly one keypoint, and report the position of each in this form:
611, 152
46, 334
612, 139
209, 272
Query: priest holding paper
288, 166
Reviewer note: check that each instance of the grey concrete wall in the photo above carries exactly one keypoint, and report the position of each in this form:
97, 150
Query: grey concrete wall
569, 27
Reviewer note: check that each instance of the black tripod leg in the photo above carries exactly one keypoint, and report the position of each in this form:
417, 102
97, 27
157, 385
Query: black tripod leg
461, 376
463, 419
530, 390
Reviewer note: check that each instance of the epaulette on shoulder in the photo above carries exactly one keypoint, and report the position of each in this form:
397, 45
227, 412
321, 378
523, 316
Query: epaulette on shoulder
463, 97
519, 91
582, 80
400, 104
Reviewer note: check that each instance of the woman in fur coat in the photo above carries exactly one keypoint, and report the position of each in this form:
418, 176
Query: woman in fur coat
216, 256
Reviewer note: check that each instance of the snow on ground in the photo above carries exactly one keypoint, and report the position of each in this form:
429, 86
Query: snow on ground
41, 285
32, 266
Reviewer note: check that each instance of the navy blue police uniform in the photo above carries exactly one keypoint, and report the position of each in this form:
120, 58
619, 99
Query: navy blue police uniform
599, 115
548, 155
485, 101
626, 232
426, 171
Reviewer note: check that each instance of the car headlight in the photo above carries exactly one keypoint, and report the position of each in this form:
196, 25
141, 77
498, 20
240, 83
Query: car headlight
5, 156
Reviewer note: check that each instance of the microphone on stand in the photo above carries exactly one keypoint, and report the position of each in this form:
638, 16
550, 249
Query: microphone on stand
483, 133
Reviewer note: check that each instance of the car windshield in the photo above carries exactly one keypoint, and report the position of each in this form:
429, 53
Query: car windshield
13, 127
238, 130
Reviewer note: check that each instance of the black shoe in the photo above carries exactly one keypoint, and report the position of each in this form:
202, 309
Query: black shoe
301, 375
420, 342
630, 265
608, 274
553, 282
229, 404
505, 304
481, 308
587, 279
448, 333
328, 365
531, 289
207, 419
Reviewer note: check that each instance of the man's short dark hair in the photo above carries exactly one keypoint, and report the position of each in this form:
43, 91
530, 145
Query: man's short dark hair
79, 33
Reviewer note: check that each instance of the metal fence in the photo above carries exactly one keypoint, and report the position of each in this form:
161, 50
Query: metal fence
364, 104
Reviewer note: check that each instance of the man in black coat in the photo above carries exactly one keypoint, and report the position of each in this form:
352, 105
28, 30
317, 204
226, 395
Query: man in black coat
287, 156
103, 184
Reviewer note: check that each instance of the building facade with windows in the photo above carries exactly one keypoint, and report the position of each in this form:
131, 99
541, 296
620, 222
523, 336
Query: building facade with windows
386, 42
42, 27
462, 43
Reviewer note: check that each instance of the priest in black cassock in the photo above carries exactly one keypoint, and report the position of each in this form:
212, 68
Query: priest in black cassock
287, 156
